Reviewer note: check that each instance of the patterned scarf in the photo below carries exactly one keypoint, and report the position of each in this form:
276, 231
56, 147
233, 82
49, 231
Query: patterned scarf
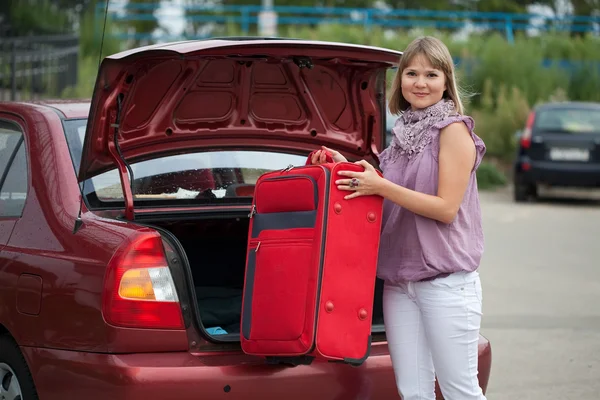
412, 130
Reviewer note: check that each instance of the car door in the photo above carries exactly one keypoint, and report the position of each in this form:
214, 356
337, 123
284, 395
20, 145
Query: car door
13, 185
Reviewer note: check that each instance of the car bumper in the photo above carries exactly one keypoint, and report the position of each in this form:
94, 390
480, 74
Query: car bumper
560, 174
185, 376
60, 374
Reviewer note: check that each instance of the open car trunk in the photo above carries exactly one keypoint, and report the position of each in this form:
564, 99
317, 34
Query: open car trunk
216, 253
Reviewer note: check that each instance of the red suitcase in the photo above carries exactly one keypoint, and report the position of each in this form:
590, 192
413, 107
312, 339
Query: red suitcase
311, 268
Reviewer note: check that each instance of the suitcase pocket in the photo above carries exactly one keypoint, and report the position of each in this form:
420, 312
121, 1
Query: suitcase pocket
287, 194
283, 203
278, 275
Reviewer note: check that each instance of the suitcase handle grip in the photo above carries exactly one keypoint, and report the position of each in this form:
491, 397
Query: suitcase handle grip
328, 157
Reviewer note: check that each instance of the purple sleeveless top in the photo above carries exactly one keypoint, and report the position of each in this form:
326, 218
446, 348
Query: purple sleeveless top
413, 247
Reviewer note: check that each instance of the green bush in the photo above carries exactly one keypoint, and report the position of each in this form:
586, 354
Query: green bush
489, 176
519, 66
501, 113
584, 82
45, 20
90, 42
88, 70
90, 33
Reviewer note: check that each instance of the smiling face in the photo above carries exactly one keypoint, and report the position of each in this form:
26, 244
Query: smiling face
425, 76
422, 84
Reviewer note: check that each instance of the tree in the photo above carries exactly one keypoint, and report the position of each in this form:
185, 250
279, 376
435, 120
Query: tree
39, 17
143, 19
585, 7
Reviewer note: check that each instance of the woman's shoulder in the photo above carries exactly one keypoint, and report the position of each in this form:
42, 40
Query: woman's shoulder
454, 124
456, 118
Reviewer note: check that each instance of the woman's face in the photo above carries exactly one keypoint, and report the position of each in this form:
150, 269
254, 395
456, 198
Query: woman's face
422, 84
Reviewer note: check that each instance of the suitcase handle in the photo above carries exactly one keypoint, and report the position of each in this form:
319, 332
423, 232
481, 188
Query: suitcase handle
328, 157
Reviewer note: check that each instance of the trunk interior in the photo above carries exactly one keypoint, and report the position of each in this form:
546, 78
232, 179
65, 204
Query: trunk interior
216, 252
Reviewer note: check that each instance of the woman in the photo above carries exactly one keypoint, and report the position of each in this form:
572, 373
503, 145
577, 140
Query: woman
432, 237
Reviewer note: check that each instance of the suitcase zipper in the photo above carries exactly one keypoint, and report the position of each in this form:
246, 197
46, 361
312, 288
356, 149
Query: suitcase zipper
322, 260
269, 242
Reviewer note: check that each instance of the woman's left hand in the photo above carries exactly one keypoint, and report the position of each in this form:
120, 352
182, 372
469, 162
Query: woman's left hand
365, 183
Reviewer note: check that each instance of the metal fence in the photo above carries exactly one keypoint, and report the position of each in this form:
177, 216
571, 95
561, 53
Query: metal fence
256, 17
34, 67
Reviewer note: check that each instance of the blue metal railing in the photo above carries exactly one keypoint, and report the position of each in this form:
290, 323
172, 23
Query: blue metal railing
247, 16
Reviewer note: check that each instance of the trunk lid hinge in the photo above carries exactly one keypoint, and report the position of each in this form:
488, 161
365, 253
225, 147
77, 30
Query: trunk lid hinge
125, 171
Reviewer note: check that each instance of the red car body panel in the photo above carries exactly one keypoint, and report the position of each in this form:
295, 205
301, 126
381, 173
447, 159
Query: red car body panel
52, 282
70, 266
188, 376
212, 376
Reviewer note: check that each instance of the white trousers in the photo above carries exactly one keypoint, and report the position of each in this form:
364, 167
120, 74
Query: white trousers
432, 329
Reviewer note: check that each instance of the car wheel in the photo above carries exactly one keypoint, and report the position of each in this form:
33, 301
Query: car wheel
524, 192
15, 378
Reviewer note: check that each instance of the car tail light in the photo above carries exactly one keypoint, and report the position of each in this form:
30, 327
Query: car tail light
139, 291
526, 136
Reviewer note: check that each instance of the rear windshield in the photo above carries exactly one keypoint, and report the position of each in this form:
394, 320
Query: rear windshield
213, 177
568, 120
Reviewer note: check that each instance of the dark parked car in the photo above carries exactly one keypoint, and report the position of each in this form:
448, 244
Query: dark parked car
559, 147
124, 221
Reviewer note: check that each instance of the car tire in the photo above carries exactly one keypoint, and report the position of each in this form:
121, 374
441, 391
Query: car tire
15, 377
523, 193
520, 193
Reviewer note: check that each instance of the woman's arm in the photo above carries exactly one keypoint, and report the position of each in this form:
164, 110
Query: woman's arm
456, 160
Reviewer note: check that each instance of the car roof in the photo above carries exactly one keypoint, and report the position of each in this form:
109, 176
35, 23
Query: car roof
70, 109
67, 109
588, 105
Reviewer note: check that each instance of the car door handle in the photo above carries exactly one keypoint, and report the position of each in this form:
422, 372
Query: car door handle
537, 139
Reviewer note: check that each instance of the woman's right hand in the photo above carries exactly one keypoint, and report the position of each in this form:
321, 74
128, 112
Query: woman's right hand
319, 157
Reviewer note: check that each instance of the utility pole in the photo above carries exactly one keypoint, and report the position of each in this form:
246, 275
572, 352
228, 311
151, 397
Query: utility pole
267, 19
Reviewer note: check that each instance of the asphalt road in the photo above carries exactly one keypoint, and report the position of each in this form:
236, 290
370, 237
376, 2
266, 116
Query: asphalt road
541, 293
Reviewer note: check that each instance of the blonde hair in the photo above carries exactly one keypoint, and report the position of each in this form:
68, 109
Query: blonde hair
439, 56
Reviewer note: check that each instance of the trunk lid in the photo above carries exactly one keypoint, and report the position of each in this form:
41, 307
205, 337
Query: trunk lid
289, 94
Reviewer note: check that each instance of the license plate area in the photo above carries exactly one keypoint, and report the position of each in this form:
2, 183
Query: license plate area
569, 154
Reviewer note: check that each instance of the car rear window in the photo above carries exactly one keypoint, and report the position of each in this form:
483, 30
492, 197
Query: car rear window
568, 120
215, 176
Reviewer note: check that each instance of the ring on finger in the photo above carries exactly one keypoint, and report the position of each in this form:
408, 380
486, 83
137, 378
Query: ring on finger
354, 182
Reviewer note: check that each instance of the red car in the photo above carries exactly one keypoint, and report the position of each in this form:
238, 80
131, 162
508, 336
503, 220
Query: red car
124, 221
